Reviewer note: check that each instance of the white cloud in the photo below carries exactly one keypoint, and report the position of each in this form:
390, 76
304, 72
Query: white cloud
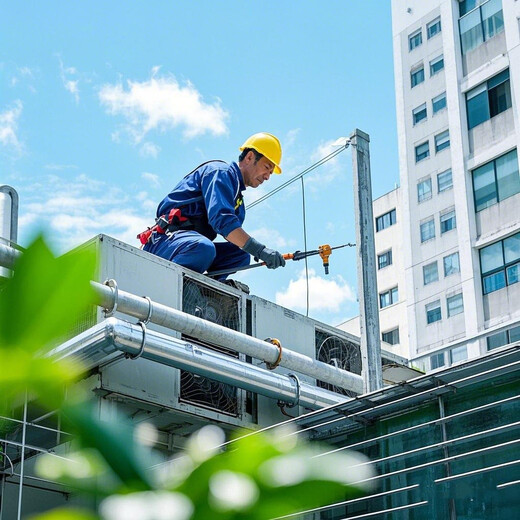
9, 127
69, 80
75, 210
330, 170
324, 294
270, 237
161, 104
149, 150
60, 167
152, 178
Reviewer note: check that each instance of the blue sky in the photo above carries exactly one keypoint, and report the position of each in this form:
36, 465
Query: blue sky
105, 105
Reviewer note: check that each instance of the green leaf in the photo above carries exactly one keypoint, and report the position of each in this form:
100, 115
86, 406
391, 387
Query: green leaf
114, 441
65, 513
45, 296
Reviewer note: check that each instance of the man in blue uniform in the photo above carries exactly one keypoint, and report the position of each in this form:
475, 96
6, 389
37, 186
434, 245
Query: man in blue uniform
208, 202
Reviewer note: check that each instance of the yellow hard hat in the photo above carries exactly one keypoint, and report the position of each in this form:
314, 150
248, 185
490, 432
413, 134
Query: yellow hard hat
268, 145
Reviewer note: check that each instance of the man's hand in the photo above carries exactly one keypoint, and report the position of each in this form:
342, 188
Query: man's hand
272, 258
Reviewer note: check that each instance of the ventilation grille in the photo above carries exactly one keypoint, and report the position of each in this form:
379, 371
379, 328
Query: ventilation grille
340, 353
217, 307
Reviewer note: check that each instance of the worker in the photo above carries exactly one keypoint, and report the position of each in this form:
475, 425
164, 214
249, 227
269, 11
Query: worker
208, 202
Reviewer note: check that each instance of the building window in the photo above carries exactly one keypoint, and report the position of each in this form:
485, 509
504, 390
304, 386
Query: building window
479, 25
455, 305
415, 39
424, 190
458, 354
444, 181
502, 338
422, 151
437, 360
433, 312
386, 220
427, 230
433, 28
430, 273
500, 264
448, 221
439, 102
384, 259
496, 180
442, 141
391, 337
436, 65
388, 297
451, 264
488, 99
417, 76
419, 113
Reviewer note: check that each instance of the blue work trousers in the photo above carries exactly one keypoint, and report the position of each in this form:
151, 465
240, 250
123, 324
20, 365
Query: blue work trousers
196, 252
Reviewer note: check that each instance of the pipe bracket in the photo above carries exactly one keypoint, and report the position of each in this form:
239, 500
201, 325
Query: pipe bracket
150, 310
275, 342
298, 390
142, 324
113, 285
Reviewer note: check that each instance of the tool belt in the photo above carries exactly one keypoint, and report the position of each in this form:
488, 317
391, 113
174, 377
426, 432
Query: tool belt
175, 221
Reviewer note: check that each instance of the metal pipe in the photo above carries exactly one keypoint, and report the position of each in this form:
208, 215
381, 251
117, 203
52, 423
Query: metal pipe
9, 230
113, 335
204, 330
193, 326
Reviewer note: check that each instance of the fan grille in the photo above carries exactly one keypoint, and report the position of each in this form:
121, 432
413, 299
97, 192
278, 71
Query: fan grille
217, 307
340, 353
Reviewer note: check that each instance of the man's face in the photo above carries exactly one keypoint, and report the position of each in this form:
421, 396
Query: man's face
255, 173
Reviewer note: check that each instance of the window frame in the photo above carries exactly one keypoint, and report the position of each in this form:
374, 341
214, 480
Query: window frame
444, 218
386, 254
434, 62
422, 197
434, 23
497, 197
413, 75
445, 142
452, 272
439, 356
423, 155
451, 299
436, 99
418, 111
393, 297
434, 278
412, 38
393, 220
430, 220
393, 333
451, 181
430, 307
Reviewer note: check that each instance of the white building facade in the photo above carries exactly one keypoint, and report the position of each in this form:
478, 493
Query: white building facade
457, 79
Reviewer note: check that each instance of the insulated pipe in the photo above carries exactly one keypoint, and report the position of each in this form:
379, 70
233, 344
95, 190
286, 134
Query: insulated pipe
145, 309
142, 308
102, 341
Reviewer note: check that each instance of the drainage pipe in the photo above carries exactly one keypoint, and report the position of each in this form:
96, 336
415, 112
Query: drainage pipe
105, 340
145, 309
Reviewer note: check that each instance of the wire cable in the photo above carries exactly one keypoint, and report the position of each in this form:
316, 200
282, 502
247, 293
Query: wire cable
305, 244
300, 175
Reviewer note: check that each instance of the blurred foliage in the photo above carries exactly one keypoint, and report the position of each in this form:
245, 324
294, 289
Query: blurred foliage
256, 477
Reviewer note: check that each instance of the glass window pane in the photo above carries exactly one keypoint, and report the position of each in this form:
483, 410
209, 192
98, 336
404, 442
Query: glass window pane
415, 40
467, 5
512, 248
439, 102
500, 78
477, 106
494, 282
508, 177
448, 222
422, 151
419, 113
427, 230
512, 274
455, 304
384, 259
442, 141
484, 187
471, 34
492, 18
499, 98
391, 337
437, 361
436, 65
424, 190
491, 257
430, 273
444, 180
497, 340
433, 312
417, 76
514, 334
451, 264
433, 28
459, 354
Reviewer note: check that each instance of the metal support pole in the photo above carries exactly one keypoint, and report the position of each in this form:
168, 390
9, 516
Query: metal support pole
24, 431
366, 263
8, 218
446, 453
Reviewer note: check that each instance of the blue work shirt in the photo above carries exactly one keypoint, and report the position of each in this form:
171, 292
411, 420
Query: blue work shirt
215, 189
